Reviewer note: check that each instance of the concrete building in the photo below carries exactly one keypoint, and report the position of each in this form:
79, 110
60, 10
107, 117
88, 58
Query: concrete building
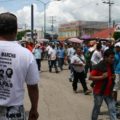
80, 28
37, 35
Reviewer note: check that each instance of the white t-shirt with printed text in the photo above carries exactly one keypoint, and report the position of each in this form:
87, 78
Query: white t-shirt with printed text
17, 66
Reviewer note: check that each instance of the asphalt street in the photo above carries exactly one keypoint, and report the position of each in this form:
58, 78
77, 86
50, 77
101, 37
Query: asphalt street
57, 101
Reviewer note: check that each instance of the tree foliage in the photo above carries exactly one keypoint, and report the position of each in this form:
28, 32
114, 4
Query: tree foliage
116, 35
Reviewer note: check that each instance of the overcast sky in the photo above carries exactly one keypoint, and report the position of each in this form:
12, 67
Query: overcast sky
62, 11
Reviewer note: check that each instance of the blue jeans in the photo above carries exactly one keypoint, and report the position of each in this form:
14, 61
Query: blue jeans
98, 99
61, 63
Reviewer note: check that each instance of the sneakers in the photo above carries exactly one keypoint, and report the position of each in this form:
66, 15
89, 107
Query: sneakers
87, 92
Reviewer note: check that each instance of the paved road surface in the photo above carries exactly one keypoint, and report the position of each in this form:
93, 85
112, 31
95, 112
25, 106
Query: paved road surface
57, 100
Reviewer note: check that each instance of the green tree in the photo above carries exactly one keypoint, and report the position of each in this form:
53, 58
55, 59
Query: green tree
21, 34
116, 35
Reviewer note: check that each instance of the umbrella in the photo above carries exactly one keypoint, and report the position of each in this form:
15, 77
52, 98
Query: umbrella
86, 37
75, 40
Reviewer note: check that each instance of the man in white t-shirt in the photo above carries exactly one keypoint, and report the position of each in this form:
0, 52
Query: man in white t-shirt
48, 48
53, 58
17, 66
70, 54
78, 63
97, 55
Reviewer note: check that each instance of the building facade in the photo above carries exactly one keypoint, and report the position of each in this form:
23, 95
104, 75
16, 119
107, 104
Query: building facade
80, 28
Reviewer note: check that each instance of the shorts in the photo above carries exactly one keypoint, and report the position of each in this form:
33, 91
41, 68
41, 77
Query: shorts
117, 82
12, 113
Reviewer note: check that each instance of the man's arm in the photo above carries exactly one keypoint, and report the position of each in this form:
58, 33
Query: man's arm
78, 64
96, 78
75, 63
33, 93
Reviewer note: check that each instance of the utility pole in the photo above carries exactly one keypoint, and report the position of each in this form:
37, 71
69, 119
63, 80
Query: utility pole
25, 27
25, 30
110, 5
32, 21
52, 21
109, 24
45, 4
44, 18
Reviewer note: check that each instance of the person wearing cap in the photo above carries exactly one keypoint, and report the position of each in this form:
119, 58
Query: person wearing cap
17, 67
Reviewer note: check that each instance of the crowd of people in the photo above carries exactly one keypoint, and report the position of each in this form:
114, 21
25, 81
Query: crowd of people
99, 63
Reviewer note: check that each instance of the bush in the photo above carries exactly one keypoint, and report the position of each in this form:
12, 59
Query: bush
116, 35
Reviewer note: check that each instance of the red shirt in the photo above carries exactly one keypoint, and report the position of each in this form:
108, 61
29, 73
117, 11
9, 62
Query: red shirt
30, 47
105, 86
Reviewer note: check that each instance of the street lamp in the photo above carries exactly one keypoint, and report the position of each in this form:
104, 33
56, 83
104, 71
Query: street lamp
44, 4
110, 4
